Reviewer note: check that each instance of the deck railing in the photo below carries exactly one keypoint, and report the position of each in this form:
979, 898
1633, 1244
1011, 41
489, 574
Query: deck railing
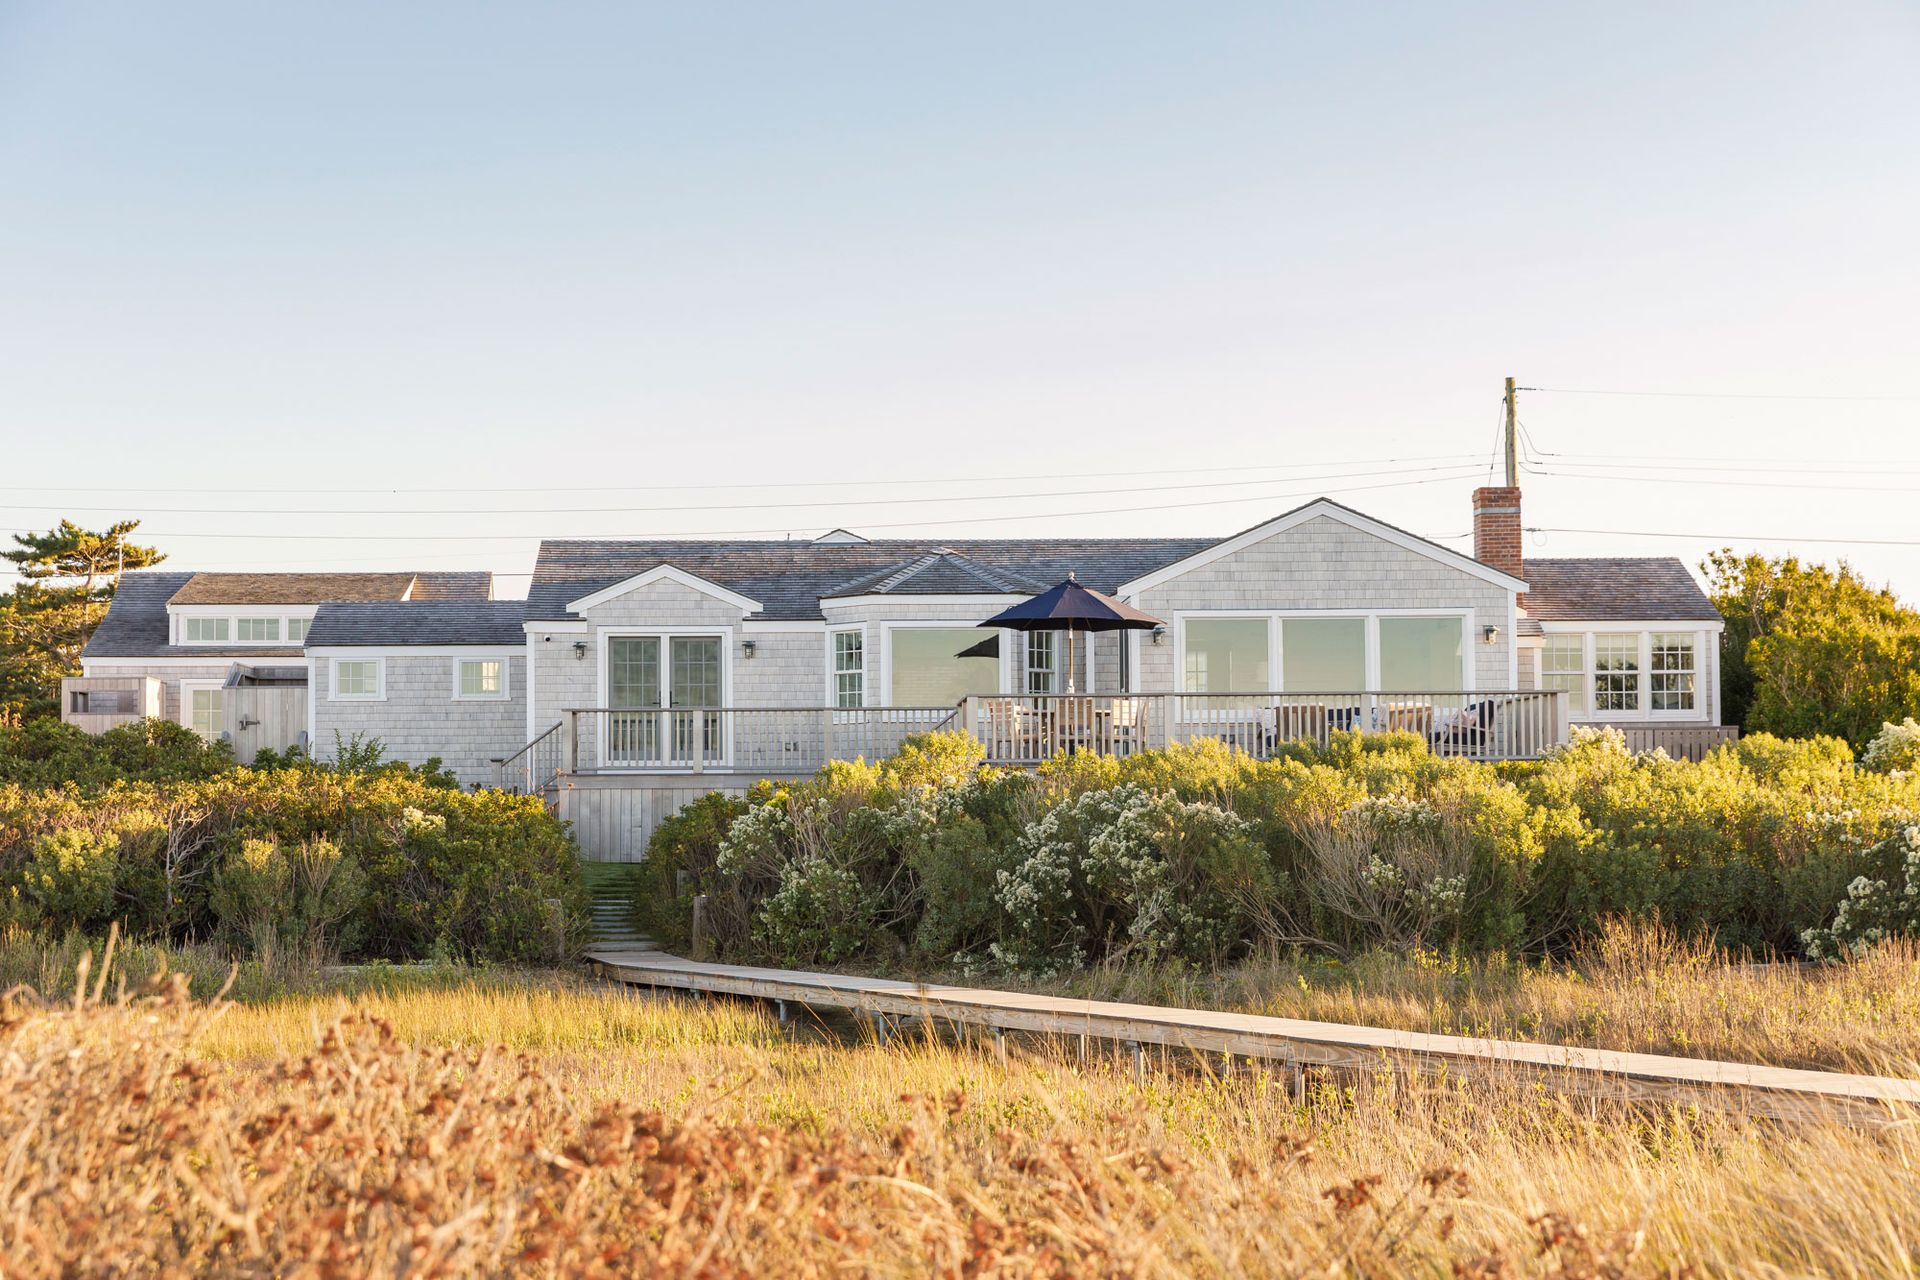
1029, 728
1477, 725
765, 740
533, 768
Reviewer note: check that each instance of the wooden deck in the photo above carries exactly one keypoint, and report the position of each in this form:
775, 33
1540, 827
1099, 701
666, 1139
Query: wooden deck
1777, 1092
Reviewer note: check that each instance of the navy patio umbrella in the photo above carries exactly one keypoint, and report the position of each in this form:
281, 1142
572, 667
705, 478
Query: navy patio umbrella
1071, 607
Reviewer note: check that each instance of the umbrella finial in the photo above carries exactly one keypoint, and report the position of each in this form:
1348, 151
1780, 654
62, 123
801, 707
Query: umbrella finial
1071, 576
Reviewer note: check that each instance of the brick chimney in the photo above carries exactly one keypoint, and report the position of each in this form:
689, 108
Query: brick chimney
1496, 529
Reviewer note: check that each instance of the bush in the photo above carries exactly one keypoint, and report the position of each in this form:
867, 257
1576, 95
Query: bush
1895, 749
51, 753
1199, 852
387, 865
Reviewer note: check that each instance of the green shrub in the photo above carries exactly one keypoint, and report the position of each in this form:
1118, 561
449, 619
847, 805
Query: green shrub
1880, 904
51, 753
439, 872
1371, 841
679, 865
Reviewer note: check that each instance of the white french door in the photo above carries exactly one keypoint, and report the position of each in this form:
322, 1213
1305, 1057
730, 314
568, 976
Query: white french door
663, 695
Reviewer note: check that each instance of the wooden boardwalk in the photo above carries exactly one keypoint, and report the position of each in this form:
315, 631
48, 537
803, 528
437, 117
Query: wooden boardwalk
1780, 1092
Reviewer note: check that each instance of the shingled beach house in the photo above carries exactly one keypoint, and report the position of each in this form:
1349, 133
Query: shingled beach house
636, 675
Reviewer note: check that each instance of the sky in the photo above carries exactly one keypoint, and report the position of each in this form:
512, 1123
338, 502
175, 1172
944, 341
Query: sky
412, 286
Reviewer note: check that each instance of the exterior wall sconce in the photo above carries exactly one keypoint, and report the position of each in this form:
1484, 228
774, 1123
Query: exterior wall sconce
747, 647
579, 650
1490, 633
1159, 633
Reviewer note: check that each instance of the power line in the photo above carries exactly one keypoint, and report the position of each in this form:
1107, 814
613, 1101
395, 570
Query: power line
1711, 395
1699, 481
1730, 537
704, 536
1003, 478
730, 506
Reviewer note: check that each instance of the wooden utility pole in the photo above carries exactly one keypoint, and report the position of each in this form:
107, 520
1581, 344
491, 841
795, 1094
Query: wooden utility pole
1513, 433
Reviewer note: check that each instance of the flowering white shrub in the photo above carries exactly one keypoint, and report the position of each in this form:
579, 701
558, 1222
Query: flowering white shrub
1895, 749
1875, 909
1125, 871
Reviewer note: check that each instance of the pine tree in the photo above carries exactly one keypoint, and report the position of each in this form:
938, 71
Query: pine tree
68, 578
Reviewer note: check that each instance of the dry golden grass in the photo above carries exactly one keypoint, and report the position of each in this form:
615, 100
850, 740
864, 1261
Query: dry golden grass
624, 1135
1637, 988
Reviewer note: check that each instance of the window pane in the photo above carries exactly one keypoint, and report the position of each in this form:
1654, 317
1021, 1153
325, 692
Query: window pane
206, 712
479, 679
849, 668
1616, 673
1042, 662
928, 671
297, 630
633, 671
1563, 655
356, 679
1422, 655
1227, 655
1670, 683
206, 629
1324, 655
259, 630
696, 670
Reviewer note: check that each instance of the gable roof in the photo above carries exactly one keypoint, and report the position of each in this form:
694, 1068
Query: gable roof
136, 625
445, 623
1615, 589
1327, 508
941, 572
319, 588
789, 578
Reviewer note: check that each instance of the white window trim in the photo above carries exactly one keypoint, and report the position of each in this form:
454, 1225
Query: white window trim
506, 678
1706, 697
728, 642
1276, 668
866, 666
177, 616
1006, 663
379, 681
187, 689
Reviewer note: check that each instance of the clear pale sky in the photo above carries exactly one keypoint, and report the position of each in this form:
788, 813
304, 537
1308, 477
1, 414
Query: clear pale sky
556, 250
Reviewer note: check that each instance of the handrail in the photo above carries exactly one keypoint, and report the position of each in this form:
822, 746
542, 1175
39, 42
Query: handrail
502, 767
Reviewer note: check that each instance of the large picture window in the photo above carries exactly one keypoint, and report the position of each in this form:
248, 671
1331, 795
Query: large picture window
1227, 655
1422, 655
926, 669
1319, 655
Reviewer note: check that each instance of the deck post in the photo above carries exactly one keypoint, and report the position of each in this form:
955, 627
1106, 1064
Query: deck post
697, 942
1139, 1061
573, 742
826, 735
1000, 1045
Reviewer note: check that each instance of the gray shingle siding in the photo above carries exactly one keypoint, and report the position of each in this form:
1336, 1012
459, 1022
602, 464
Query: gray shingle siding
419, 717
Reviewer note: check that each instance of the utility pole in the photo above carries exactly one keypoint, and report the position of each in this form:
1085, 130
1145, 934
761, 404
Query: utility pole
1513, 421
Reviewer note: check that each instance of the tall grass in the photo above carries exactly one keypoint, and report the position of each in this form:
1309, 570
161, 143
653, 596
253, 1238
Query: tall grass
625, 1137
1637, 987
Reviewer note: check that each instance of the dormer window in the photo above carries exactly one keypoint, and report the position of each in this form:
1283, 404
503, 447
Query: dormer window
208, 630
259, 631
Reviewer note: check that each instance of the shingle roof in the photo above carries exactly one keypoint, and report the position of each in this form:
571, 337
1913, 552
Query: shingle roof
291, 588
464, 585
1615, 589
789, 578
492, 623
940, 573
136, 624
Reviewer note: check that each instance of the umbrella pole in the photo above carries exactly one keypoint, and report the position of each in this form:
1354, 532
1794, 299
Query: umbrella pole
1070, 660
